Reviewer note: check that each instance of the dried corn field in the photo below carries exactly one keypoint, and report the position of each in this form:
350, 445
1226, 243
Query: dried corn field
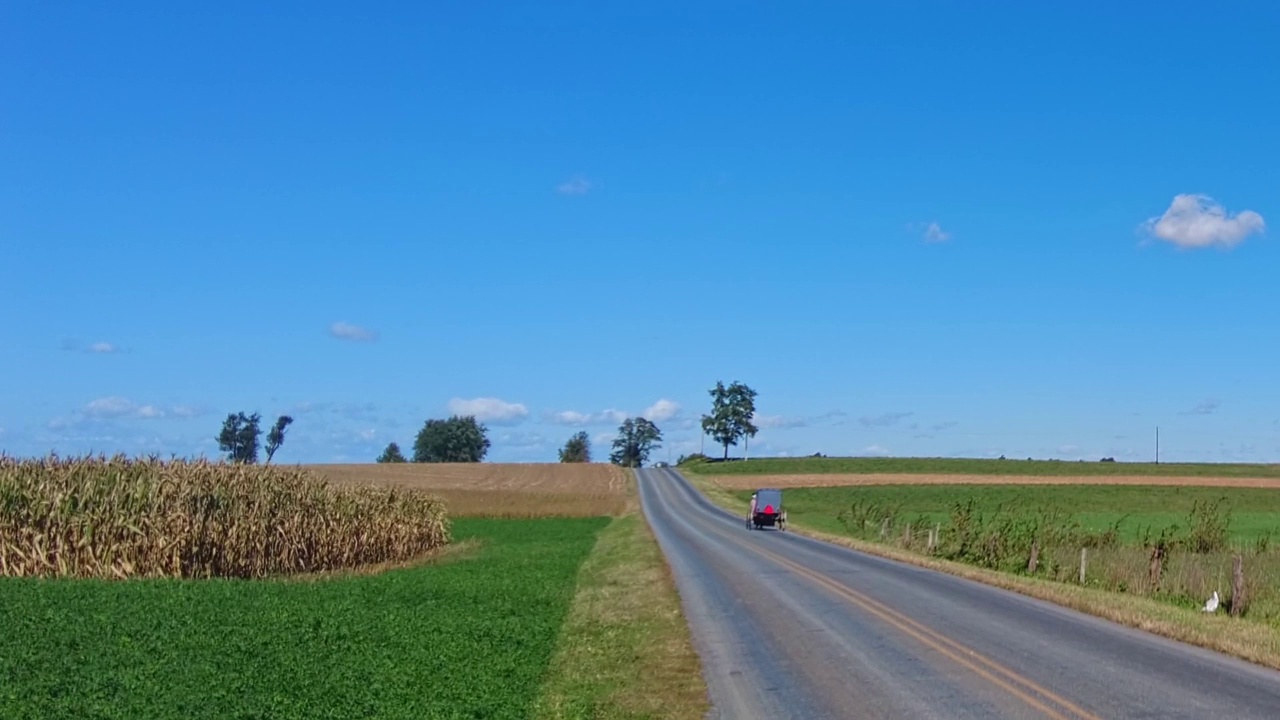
502, 490
122, 517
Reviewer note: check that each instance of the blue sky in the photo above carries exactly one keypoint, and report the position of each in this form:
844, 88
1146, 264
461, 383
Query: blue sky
915, 228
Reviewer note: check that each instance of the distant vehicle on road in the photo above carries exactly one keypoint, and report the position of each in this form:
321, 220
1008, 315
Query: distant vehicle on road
660, 463
766, 510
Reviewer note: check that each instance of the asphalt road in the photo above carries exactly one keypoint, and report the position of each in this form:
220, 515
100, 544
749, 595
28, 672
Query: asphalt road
790, 627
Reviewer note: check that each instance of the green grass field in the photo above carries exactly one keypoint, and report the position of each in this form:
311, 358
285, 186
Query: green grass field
998, 533
470, 637
1255, 512
963, 466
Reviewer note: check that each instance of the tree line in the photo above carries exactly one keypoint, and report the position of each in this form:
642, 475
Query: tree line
240, 434
462, 438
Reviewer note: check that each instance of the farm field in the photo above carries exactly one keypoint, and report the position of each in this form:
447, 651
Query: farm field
834, 480
550, 600
465, 638
994, 526
501, 490
1123, 582
1255, 512
1021, 469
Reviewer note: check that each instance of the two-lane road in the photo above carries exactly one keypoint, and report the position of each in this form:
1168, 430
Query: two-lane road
789, 627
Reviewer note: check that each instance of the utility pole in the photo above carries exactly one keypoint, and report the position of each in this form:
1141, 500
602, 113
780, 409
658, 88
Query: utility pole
1157, 444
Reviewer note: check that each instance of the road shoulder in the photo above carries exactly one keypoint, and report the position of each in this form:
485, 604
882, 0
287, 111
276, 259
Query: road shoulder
625, 650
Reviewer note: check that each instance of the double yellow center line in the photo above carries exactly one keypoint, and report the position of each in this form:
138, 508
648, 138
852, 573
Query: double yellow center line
1036, 695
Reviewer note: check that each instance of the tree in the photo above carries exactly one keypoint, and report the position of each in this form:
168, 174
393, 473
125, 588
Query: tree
275, 438
391, 455
239, 437
576, 450
637, 437
731, 411
458, 439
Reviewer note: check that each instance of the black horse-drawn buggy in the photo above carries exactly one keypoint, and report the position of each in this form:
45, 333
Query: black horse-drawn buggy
766, 510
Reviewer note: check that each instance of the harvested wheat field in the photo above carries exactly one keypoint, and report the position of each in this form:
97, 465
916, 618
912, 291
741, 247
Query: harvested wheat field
749, 482
502, 489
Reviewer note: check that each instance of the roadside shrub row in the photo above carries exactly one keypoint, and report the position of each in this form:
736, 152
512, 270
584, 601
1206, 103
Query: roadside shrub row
1183, 562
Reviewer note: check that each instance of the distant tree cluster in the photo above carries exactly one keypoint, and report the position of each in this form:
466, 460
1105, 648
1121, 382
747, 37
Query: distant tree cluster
392, 455
577, 449
458, 439
732, 410
240, 433
637, 437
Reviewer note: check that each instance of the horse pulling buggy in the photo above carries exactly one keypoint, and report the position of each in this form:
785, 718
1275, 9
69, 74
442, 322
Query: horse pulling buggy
766, 510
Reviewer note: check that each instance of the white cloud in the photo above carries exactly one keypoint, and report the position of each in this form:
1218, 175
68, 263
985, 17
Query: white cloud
187, 411
884, 420
489, 409
571, 417
935, 234
109, 407
874, 451
1197, 221
930, 232
522, 441
95, 348
1206, 407
661, 411
766, 422
574, 186
115, 408
580, 419
347, 331
615, 417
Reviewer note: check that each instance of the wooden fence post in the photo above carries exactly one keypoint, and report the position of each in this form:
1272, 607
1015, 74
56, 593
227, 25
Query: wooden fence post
906, 535
1157, 566
1084, 555
1035, 557
1238, 598
884, 528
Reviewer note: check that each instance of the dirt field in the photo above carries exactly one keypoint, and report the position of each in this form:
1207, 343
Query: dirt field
503, 490
748, 482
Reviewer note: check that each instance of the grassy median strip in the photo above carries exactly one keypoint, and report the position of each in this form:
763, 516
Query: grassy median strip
1254, 640
625, 651
472, 637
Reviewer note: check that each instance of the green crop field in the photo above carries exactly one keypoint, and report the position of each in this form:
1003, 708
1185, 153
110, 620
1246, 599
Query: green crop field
964, 466
1255, 512
1002, 527
469, 637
